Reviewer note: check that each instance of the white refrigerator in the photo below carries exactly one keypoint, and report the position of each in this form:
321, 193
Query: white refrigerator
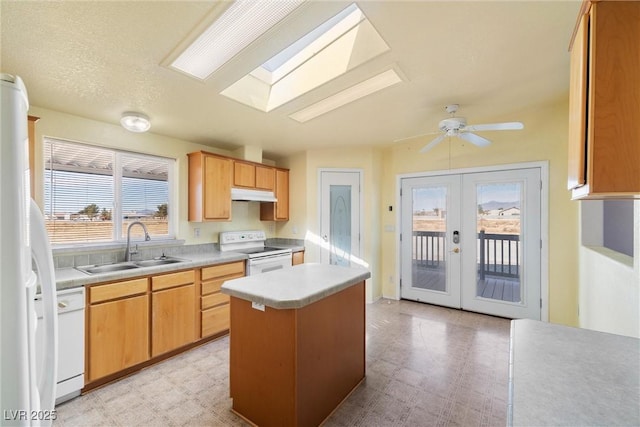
26, 263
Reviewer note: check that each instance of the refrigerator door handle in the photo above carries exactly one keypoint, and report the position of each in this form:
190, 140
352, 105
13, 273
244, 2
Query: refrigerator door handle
43, 258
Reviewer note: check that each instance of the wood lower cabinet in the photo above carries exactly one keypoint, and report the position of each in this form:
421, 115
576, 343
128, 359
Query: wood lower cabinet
278, 211
297, 258
118, 327
209, 187
137, 322
214, 306
173, 314
604, 107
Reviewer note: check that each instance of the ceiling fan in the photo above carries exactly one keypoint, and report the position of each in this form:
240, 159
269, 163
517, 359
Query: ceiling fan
457, 126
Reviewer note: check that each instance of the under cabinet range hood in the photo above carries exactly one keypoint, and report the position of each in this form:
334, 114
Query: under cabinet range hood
246, 195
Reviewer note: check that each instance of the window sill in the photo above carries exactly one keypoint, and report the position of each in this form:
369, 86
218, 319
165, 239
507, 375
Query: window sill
70, 249
618, 257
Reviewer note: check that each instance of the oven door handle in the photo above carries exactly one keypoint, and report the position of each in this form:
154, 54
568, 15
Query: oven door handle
274, 268
269, 258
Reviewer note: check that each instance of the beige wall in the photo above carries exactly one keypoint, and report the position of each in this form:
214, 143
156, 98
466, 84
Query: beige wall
544, 138
304, 218
74, 128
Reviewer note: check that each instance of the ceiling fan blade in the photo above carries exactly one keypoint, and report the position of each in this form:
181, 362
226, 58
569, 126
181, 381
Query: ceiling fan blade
495, 126
474, 139
432, 144
415, 136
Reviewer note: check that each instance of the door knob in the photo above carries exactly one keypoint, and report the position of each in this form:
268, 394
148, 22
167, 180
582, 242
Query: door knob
456, 250
325, 238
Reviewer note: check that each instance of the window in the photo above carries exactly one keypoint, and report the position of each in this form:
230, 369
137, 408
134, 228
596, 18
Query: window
335, 47
93, 194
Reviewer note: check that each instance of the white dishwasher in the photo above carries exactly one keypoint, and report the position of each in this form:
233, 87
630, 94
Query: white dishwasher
71, 304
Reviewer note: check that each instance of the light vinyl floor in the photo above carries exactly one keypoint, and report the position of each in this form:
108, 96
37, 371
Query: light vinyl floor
425, 366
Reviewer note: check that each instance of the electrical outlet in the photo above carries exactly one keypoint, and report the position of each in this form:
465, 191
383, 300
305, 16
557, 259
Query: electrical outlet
295, 229
196, 232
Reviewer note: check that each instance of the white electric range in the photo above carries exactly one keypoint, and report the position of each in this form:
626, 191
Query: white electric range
261, 258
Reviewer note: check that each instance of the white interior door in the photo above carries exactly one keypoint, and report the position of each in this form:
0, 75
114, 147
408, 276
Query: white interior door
473, 241
340, 216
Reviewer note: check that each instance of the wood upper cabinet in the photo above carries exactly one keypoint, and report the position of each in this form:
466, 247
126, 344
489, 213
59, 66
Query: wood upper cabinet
244, 174
604, 105
118, 327
278, 211
210, 178
32, 151
173, 315
265, 178
253, 175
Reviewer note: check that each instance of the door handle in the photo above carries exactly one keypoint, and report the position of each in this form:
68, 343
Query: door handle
456, 237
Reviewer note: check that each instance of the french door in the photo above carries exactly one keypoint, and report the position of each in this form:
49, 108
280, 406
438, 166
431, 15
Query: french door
473, 241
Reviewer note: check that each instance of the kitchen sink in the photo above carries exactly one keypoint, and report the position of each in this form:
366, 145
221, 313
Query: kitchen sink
158, 261
128, 265
107, 268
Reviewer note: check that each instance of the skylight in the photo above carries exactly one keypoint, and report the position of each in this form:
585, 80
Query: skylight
336, 46
238, 26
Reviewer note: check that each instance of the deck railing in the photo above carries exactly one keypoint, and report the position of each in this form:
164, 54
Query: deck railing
498, 254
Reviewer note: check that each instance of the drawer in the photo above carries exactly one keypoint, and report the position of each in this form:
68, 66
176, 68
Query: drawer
171, 280
212, 286
213, 300
222, 270
215, 320
111, 291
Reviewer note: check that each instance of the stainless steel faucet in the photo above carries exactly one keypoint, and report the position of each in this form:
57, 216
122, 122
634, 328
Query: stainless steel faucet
128, 251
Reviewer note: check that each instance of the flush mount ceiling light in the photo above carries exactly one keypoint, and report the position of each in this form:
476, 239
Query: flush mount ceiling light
135, 122
360, 90
238, 26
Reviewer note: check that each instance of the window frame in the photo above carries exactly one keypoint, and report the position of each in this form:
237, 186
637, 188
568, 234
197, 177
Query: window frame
118, 235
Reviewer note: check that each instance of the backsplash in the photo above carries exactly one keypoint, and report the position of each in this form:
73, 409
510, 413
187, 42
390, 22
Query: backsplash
68, 258
279, 241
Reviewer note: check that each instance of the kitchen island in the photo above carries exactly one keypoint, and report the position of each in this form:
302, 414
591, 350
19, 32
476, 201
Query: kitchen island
297, 342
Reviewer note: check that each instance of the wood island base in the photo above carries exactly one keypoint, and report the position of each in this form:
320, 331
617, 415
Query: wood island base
293, 367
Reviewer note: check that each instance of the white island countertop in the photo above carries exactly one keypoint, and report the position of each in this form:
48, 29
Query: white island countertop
295, 287
561, 375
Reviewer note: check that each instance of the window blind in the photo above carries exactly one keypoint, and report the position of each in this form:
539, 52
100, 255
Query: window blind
92, 194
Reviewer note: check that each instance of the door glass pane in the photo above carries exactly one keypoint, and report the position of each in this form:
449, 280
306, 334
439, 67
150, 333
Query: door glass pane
428, 238
499, 241
340, 224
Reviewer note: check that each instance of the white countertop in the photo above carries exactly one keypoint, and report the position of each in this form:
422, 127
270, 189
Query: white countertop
295, 287
560, 375
71, 278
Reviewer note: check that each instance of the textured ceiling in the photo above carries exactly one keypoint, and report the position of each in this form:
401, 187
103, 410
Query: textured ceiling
97, 59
